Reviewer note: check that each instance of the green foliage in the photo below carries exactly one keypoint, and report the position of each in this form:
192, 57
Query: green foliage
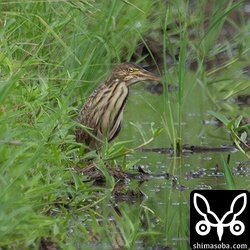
201, 52
234, 128
52, 55
228, 176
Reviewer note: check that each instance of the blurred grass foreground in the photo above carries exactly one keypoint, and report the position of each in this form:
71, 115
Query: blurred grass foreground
53, 54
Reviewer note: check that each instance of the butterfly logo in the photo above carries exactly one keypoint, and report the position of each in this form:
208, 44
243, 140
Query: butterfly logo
203, 227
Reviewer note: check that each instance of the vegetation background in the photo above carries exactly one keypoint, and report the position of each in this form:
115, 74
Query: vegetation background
53, 55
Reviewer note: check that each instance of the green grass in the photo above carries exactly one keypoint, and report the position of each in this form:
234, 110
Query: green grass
52, 55
200, 49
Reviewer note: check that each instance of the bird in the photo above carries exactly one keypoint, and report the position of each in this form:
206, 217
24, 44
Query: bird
102, 114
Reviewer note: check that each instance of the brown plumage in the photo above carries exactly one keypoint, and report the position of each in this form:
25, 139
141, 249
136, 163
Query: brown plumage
103, 111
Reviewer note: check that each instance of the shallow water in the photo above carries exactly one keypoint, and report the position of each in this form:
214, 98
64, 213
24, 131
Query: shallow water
154, 213
166, 201
163, 206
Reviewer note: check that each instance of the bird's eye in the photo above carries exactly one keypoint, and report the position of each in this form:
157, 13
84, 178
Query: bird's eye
130, 70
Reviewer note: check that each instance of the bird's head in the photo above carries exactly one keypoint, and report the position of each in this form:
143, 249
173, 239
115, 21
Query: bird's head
131, 73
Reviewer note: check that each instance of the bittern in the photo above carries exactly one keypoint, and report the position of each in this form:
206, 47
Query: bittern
103, 111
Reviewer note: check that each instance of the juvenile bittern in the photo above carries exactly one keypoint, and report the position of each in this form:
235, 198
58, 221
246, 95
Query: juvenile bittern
103, 111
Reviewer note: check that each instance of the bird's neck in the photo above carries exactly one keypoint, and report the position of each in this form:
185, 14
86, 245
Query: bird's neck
112, 80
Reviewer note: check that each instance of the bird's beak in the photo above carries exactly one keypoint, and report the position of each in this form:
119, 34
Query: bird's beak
144, 75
